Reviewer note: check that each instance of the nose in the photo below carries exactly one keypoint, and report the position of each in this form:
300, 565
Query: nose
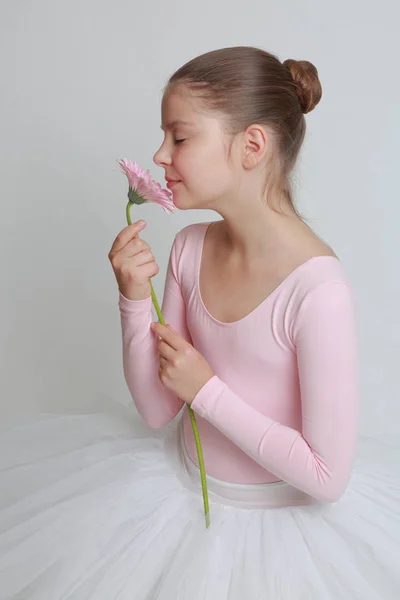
162, 157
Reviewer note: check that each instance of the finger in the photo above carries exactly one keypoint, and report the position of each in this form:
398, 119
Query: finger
144, 257
169, 335
133, 247
126, 235
166, 351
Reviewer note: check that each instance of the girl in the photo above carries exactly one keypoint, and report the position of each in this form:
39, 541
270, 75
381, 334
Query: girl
261, 342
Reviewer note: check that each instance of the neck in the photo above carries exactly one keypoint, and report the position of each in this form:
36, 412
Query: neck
254, 233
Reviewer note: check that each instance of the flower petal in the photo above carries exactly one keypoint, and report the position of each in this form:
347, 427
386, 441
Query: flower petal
144, 186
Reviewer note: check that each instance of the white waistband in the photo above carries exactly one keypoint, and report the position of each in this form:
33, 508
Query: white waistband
259, 495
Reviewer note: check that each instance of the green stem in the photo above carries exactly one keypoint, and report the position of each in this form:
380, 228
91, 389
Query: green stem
191, 412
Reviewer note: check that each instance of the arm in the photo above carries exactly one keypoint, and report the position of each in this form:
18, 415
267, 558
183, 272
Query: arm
319, 459
156, 405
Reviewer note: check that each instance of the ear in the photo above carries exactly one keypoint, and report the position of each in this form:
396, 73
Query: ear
255, 145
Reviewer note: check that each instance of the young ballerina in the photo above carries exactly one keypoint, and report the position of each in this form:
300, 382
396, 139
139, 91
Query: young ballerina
262, 344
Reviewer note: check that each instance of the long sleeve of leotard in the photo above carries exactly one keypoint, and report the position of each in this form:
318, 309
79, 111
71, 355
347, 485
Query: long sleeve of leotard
154, 402
318, 460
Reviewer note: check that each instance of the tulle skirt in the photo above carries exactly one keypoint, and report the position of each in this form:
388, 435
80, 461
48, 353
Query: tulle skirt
101, 507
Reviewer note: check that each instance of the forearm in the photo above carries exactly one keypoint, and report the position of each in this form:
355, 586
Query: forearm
156, 405
320, 469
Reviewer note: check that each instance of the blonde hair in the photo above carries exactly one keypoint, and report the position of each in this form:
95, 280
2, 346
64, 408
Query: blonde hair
249, 85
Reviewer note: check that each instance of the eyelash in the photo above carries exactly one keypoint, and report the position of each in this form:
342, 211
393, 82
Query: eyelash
179, 141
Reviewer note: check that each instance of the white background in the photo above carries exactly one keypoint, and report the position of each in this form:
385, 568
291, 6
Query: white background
81, 86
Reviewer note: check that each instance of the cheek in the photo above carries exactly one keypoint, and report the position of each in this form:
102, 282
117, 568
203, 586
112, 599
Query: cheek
205, 167
215, 176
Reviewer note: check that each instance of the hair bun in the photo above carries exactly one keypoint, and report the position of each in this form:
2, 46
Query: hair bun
308, 86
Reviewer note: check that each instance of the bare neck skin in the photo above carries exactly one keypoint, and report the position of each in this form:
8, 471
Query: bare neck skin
251, 236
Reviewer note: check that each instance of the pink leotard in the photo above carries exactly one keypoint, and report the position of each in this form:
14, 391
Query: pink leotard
283, 401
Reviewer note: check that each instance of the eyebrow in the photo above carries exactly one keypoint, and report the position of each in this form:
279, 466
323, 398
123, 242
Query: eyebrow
172, 124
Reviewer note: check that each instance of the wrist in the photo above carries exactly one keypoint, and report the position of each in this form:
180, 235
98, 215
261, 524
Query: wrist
210, 376
135, 294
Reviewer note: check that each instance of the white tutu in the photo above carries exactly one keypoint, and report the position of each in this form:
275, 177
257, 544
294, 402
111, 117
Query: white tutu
101, 507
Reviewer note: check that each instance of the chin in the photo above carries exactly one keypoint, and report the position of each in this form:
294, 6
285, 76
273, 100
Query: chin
176, 202
179, 202
186, 202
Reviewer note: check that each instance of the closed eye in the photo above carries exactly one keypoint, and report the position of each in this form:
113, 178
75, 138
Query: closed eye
179, 141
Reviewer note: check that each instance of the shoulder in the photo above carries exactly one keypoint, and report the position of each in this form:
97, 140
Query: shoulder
184, 247
320, 277
186, 237
190, 230
320, 269
321, 292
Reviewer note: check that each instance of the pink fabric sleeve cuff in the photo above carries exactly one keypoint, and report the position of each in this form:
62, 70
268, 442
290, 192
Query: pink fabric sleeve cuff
134, 306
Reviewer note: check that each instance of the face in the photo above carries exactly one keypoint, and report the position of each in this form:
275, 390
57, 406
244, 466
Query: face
194, 152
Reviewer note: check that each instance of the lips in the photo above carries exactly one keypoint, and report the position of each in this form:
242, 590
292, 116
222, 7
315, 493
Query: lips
171, 183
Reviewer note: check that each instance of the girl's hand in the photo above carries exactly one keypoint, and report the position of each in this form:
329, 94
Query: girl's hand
183, 370
133, 262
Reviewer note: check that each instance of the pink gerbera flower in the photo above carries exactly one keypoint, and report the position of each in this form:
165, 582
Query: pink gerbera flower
142, 188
